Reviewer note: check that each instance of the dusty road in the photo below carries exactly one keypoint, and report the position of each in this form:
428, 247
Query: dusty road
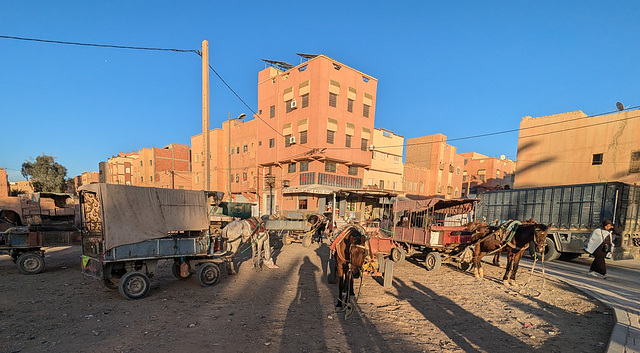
291, 309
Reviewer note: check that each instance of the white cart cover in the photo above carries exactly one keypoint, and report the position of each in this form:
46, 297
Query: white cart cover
131, 214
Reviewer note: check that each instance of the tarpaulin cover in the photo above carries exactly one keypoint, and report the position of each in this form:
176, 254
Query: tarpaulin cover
132, 214
436, 205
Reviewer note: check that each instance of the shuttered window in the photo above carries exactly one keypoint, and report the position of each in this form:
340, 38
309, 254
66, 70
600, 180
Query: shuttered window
333, 100
303, 137
305, 100
365, 110
350, 105
272, 111
347, 142
364, 144
331, 136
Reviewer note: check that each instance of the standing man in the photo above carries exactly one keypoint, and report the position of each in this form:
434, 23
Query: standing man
599, 245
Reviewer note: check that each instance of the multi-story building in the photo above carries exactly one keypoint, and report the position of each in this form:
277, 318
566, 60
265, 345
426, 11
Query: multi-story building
119, 168
488, 173
386, 168
573, 148
235, 143
314, 133
414, 180
167, 167
444, 175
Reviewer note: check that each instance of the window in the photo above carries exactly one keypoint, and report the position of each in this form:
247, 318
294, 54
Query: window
383, 156
245, 148
303, 137
304, 166
634, 166
395, 185
141, 163
244, 176
150, 162
365, 110
465, 161
449, 190
597, 159
396, 160
353, 170
305, 100
197, 157
237, 149
330, 167
333, 100
272, 111
347, 141
350, 105
272, 143
364, 143
150, 178
142, 179
287, 106
237, 177
302, 202
457, 170
381, 185
464, 176
482, 175
331, 136
292, 167
287, 140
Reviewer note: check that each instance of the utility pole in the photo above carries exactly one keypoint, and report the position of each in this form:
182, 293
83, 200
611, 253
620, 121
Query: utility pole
229, 155
205, 112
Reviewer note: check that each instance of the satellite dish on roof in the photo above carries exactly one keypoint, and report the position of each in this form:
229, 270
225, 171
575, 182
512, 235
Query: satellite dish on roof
503, 157
620, 106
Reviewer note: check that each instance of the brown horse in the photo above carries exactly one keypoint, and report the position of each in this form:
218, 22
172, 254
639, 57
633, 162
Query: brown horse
513, 243
350, 249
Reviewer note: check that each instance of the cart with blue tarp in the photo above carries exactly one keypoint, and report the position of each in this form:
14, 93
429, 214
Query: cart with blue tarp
126, 230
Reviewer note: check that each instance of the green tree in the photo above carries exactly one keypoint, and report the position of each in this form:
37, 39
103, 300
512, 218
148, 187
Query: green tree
45, 175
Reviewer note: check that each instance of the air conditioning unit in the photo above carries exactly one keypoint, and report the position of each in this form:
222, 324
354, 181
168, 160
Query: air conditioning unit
285, 183
294, 104
372, 147
292, 140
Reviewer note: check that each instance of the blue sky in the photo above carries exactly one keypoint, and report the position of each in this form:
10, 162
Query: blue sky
459, 68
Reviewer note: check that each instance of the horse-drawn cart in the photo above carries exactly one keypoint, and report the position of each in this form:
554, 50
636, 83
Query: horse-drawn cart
126, 230
435, 227
307, 230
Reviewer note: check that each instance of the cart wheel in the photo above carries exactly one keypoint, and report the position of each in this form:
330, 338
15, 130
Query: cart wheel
287, 239
30, 263
463, 266
387, 278
175, 269
398, 254
306, 240
134, 285
109, 284
331, 270
208, 274
433, 261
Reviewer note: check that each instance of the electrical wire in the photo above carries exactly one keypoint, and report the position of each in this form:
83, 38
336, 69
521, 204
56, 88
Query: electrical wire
99, 45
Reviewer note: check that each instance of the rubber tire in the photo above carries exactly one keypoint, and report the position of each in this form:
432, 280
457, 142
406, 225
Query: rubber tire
433, 261
208, 274
30, 263
307, 240
287, 239
332, 274
398, 255
134, 285
550, 252
175, 269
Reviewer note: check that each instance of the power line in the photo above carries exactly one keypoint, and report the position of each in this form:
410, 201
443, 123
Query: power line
98, 45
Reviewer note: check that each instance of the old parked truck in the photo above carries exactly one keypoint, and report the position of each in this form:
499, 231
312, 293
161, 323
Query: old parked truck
574, 211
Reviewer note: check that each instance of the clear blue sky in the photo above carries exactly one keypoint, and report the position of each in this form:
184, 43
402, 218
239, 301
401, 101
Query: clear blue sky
460, 68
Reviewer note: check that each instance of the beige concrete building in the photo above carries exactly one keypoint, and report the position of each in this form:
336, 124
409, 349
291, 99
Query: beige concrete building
4, 183
386, 168
487, 173
119, 168
573, 148
444, 165
21, 186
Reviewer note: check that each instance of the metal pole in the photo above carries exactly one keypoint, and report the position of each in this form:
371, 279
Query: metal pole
205, 111
229, 157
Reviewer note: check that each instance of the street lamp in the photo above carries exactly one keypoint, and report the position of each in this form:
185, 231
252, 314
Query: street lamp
241, 116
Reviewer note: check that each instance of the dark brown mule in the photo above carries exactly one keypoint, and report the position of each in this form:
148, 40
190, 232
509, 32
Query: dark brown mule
513, 244
350, 249
481, 229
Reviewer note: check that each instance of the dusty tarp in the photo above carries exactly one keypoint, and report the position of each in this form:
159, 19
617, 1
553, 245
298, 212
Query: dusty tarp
437, 204
132, 214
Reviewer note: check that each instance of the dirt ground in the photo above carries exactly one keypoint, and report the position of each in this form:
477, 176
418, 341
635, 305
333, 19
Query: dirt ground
291, 309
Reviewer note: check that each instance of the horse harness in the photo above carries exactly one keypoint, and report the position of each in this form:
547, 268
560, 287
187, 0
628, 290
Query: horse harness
255, 224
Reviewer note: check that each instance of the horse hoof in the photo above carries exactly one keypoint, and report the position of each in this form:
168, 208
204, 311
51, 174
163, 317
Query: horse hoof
506, 283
